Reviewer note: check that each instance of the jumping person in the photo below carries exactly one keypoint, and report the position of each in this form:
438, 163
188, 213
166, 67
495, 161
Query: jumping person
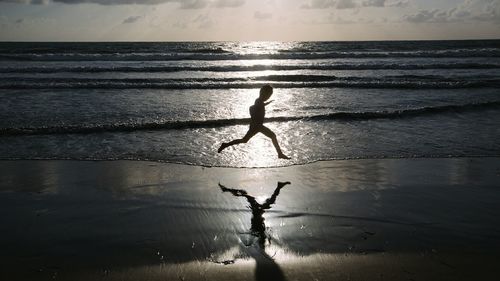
257, 113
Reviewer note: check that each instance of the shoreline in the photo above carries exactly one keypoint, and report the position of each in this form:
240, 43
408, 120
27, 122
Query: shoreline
409, 218
166, 162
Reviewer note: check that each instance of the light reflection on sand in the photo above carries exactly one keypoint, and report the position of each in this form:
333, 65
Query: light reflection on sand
400, 266
334, 218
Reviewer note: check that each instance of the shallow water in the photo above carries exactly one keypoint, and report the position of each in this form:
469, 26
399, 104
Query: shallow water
176, 102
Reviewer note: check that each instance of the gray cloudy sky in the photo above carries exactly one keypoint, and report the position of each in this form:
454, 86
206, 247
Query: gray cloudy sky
186, 20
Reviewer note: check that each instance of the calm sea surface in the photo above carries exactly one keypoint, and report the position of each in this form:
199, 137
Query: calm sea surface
176, 102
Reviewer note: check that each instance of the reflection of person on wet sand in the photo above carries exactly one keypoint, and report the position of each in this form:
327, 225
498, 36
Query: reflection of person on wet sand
257, 113
258, 228
266, 267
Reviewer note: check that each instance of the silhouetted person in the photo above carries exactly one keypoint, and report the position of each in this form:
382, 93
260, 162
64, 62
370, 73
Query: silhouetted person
257, 113
266, 268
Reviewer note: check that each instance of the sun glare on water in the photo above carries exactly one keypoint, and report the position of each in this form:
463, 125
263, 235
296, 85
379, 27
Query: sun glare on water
259, 151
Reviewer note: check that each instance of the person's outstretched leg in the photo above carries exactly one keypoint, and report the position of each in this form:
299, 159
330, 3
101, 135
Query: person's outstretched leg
269, 201
251, 132
270, 134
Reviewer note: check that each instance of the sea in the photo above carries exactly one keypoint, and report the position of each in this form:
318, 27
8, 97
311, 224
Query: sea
178, 101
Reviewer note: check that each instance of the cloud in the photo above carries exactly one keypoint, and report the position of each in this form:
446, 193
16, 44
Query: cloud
204, 21
228, 3
262, 15
489, 11
345, 4
29, 21
34, 2
193, 4
101, 2
324, 4
114, 2
399, 4
385, 3
319, 4
469, 10
132, 19
422, 16
374, 3
332, 18
351, 4
338, 20
184, 4
200, 4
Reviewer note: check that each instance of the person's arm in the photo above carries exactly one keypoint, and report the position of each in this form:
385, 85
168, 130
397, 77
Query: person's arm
235, 192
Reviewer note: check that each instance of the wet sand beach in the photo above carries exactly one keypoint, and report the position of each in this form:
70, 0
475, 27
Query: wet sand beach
379, 219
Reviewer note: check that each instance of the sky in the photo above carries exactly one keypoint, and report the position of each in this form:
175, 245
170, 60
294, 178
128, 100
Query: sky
247, 20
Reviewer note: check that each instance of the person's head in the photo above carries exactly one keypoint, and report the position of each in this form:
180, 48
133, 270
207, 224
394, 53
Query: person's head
265, 92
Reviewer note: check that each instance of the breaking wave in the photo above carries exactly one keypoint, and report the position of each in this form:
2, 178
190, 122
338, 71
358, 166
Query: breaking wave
214, 123
278, 81
233, 68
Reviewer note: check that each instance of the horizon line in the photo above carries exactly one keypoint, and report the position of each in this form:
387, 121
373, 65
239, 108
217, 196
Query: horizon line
213, 41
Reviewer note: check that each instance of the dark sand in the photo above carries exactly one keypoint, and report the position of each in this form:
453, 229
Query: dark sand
390, 219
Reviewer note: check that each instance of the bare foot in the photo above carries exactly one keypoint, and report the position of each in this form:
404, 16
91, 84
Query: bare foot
283, 156
222, 147
281, 183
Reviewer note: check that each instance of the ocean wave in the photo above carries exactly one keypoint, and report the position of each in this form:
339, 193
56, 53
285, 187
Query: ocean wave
234, 68
215, 123
225, 55
278, 81
216, 50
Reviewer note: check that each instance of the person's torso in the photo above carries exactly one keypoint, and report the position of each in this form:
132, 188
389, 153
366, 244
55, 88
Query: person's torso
257, 113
